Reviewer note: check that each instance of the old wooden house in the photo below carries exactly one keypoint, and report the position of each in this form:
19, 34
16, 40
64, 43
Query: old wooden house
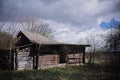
34, 51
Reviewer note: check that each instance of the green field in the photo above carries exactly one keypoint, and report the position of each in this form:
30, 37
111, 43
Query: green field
84, 72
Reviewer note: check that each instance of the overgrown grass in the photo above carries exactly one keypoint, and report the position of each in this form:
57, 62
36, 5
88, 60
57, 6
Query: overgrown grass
85, 72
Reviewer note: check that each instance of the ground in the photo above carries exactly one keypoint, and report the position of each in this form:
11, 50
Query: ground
100, 70
84, 72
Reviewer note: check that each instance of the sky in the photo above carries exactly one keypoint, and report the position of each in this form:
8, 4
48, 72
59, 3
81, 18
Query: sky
111, 24
72, 21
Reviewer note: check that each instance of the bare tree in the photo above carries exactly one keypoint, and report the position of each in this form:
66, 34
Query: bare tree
7, 34
93, 41
113, 40
113, 50
35, 25
7, 40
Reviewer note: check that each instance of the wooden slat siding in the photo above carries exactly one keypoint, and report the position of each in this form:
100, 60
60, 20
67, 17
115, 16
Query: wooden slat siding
24, 62
48, 60
75, 58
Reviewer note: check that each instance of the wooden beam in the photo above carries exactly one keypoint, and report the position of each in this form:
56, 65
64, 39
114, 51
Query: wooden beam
37, 61
34, 60
12, 59
84, 55
16, 60
37, 56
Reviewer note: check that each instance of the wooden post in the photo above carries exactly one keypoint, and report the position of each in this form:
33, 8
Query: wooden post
79, 59
37, 56
84, 55
66, 59
33, 52
16, 60
9, 60
37, 61
34, 59
12, 60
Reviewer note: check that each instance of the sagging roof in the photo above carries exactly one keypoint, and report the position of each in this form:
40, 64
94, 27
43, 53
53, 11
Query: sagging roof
39, 39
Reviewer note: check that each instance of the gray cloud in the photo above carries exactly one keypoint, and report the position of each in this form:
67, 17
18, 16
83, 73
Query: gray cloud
80, 12
49, 1
76, 18
1, 7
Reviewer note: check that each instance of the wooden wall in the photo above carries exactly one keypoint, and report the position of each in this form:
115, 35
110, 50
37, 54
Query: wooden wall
75, 58
48, 60
24, 61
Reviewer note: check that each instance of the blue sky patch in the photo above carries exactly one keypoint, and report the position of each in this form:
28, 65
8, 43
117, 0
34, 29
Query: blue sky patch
111, 24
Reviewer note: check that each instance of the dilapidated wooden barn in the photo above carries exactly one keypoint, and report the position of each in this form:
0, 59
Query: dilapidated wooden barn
34, 51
